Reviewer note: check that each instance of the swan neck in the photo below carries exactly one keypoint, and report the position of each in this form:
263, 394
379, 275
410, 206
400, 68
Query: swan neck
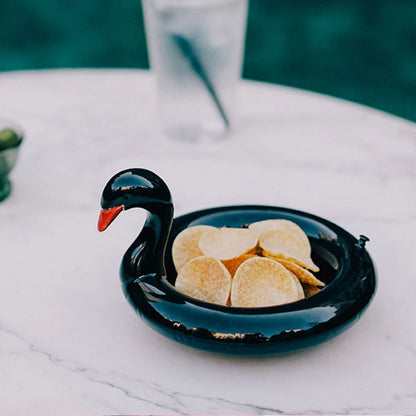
147, 253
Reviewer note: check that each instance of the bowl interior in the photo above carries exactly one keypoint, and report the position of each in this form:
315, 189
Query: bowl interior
328, 242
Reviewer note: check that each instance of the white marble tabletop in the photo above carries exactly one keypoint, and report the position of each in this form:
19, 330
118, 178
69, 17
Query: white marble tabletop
71, 344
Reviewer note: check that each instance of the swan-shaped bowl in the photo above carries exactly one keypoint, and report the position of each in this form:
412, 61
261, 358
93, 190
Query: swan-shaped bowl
148, 276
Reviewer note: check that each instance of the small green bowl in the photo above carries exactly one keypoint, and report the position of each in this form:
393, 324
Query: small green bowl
11, 137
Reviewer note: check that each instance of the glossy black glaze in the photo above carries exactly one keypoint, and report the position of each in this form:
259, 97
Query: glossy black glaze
148, 276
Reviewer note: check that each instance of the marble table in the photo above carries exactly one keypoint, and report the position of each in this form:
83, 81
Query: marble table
70, 343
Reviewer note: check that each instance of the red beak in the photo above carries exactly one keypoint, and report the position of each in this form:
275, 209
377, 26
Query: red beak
107, 216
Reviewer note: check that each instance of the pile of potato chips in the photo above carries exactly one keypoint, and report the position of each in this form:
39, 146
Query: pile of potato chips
265, 264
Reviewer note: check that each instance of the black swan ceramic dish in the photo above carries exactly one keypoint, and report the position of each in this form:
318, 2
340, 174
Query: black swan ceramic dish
148, 275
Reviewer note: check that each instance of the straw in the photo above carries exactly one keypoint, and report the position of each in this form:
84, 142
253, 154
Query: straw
188, 51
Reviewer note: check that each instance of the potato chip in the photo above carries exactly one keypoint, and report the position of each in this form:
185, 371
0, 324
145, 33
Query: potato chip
262, 282
310, 290
233, 264
228, 243
305, 276
277, 224
283, 244
205, 278
185, 247
301, 293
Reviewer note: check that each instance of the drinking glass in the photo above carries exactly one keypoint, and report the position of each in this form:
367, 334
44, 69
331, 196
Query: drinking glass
196, 51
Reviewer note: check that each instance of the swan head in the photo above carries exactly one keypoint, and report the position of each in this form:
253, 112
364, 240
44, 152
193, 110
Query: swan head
132, 188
